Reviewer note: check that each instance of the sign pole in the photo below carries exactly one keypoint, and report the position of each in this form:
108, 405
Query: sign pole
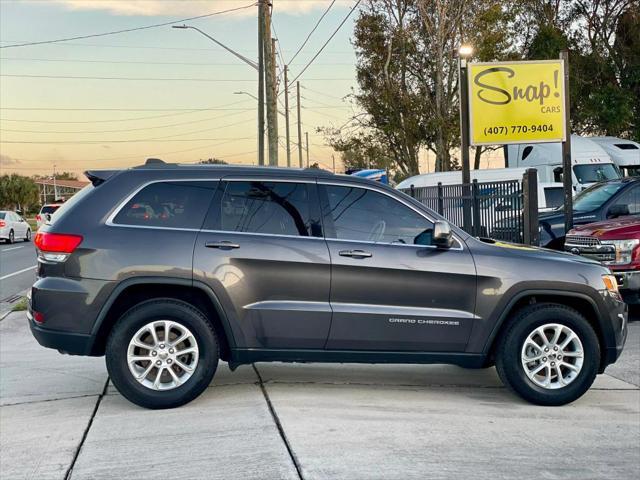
567, 176
464, 147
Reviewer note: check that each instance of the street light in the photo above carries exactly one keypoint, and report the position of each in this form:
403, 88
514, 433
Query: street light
228, 49
252, 64
465, 51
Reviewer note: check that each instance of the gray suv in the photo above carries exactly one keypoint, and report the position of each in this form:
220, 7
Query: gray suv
167, 269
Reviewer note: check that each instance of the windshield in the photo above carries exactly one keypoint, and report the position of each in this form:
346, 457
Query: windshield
2, 214
597, 172
594, 197
49, 208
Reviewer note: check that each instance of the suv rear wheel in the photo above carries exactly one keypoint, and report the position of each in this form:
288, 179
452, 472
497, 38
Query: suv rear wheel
549, 354
162, 353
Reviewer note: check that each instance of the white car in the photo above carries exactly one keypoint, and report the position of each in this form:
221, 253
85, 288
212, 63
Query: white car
45, 213
13, 226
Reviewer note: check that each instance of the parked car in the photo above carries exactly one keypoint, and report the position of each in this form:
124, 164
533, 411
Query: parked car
259, 264
602, 201
13, 226
45, 213
616, 244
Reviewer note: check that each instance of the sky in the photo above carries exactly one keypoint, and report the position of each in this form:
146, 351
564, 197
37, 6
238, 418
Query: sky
113, 101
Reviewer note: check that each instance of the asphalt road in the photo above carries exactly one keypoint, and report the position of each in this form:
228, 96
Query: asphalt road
61, 419
17, 268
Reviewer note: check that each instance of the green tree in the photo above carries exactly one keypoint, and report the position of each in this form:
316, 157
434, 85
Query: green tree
213, 161
18, 192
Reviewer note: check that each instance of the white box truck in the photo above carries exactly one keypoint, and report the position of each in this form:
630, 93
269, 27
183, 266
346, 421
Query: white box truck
591, 163
624, 153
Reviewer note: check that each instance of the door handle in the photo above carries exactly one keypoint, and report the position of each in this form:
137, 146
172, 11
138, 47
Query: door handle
355, 254
224, 245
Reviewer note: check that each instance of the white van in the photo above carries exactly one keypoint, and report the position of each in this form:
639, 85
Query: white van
624, 153
550, 194
591, 164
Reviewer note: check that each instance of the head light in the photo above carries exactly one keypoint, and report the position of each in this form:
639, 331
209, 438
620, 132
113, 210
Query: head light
624, 250
611, 284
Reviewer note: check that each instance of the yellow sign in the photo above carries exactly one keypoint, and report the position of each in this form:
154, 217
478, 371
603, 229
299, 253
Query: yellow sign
516, 102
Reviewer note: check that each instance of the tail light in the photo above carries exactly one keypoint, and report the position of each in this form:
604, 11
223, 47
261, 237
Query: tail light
3, 223
56, 247
38, 218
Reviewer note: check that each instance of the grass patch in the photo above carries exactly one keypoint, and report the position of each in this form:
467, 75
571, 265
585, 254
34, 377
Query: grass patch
20, 306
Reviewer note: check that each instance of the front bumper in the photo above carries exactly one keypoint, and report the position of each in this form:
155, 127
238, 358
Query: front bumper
629, 285
615, 314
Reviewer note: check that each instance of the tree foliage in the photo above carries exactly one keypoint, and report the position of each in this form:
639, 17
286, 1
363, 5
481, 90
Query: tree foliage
407, 73
18, 192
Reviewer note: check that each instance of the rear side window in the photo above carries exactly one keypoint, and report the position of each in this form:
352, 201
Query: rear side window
169, 205
2, 215
276, 208
554, 196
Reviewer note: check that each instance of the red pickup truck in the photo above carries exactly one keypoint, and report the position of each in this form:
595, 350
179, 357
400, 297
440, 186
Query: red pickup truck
615, 243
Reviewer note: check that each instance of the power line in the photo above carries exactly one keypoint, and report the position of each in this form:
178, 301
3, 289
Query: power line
134, 62
153, 47
311, 32
97, 142
322, 93
195, 110
327, 42
145, 79
146, 27
56, 109
75, 132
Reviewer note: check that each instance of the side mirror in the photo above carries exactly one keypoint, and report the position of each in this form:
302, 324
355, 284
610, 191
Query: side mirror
619, 210
442, 236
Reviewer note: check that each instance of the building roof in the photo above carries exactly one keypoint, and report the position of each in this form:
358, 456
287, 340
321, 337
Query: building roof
63, 183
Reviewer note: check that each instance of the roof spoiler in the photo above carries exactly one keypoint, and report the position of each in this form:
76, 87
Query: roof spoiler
98, 177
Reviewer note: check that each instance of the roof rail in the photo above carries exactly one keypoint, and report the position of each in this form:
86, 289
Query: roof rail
317, 171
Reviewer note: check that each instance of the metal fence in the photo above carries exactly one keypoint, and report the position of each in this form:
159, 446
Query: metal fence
504, 210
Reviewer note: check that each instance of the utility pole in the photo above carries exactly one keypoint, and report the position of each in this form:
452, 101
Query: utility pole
306, 134
55, 187
260, 84
299, 126
333, 159
567, 176
286, 113
270, 81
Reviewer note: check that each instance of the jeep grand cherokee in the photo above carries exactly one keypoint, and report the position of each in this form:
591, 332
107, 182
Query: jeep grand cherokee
166, 269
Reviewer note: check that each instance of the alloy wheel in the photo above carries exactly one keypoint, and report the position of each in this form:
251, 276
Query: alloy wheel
162, 355
552, 356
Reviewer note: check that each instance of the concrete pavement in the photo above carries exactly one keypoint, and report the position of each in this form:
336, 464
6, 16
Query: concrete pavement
60, 419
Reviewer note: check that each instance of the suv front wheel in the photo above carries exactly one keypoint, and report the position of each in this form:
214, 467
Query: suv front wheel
162, 353
549, 354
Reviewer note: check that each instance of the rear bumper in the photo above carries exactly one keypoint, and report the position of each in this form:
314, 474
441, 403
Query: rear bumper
64, 342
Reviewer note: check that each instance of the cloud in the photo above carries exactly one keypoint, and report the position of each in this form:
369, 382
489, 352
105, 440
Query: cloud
7, 160
192, 7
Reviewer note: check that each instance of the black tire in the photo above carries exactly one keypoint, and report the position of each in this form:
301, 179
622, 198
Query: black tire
508, 354
28, 237
136, 318
11, 238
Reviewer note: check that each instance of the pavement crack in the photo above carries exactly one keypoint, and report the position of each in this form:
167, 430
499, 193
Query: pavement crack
86, 431
276, 419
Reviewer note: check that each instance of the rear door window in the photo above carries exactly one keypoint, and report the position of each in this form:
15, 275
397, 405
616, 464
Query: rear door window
274, 208
169, 205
